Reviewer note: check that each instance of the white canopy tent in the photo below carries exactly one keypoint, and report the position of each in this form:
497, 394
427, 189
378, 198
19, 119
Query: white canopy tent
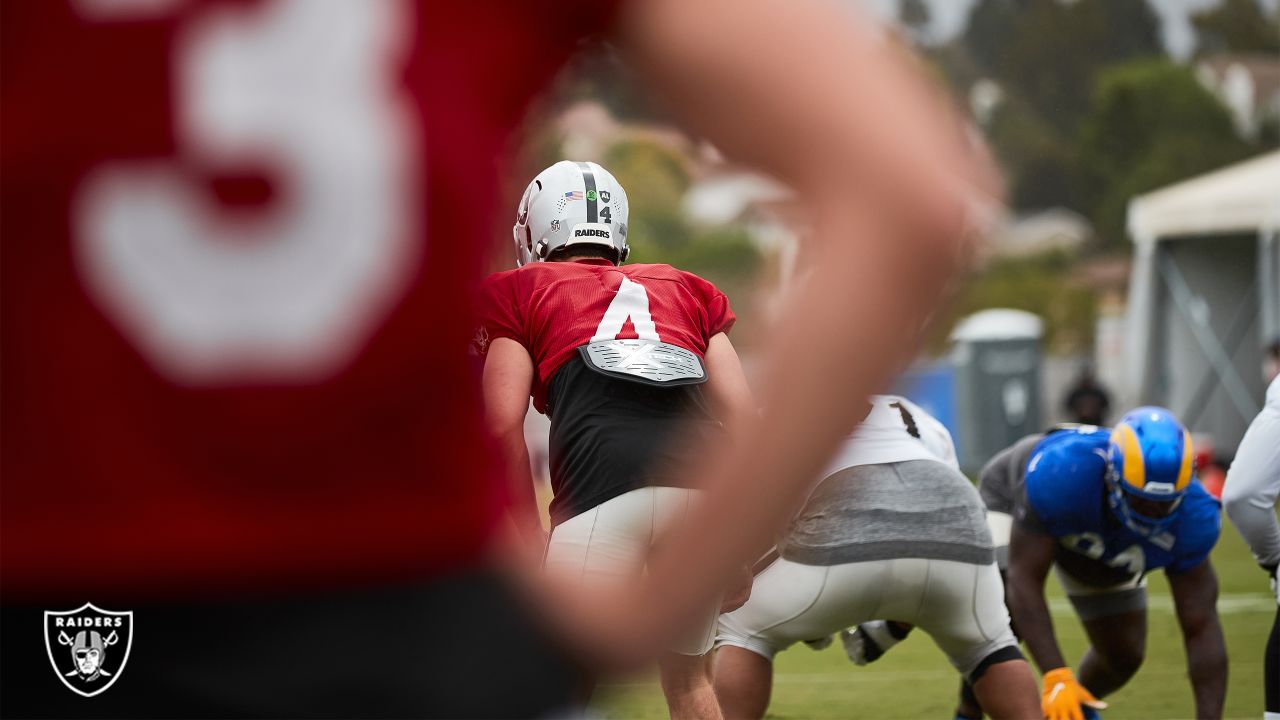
1204, 296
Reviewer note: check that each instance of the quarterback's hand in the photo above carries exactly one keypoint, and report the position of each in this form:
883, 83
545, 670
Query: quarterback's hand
1275, 587
1063, 695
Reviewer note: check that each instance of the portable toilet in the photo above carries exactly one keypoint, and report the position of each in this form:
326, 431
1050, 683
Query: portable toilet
996, 355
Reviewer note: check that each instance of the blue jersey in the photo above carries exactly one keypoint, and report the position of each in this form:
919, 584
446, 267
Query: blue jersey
1066, 496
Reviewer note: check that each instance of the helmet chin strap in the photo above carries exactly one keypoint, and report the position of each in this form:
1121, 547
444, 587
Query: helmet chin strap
1135, 521
1123, 513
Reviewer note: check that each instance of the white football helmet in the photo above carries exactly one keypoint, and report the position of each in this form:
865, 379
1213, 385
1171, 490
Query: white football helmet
571, 203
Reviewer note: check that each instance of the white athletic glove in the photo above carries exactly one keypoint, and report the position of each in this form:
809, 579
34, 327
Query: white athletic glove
867, 642
1275, 586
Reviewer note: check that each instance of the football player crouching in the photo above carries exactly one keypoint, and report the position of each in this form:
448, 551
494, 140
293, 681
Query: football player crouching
893, 530
1102, 508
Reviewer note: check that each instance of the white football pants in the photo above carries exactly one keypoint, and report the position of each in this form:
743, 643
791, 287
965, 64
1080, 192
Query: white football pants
959, 605
612, 539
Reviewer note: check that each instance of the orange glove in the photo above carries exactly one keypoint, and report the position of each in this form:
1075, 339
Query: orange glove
1063, 695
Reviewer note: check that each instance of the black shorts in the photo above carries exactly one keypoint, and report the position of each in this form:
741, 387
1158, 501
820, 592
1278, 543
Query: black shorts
458, 647
610, 436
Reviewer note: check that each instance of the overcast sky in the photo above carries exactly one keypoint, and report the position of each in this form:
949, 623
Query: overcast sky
947, 18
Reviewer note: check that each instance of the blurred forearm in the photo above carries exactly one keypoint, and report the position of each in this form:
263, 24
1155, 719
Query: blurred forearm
889, 179
840, 336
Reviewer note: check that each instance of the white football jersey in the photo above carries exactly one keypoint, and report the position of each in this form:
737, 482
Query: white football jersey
896, 430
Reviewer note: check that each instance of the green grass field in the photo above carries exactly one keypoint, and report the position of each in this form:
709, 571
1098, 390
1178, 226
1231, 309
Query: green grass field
914, 680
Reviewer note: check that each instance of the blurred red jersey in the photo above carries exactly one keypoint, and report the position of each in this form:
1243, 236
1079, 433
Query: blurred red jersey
552, 308
238, 240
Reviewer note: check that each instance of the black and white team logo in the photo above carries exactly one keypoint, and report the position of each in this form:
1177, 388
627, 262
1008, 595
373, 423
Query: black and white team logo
88, 646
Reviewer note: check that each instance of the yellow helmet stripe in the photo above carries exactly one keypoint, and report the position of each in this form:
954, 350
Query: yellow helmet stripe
1188, 454
1135, 472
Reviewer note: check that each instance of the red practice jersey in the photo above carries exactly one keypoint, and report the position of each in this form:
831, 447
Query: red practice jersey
238, 242
552, 308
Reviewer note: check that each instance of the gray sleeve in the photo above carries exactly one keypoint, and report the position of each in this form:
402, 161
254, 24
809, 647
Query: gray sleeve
1001, 481
1253, 483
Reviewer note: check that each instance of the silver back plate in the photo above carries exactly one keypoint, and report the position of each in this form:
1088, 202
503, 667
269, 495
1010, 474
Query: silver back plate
648, 361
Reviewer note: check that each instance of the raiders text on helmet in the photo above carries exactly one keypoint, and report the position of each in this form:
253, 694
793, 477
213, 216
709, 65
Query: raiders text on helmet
571, 203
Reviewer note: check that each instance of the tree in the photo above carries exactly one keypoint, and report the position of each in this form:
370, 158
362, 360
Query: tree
991, 24
1040, 284
1121, 29
914, 16
656, 180
1152, 123
1049, 62
1049, 52
1039, 162
1237, 26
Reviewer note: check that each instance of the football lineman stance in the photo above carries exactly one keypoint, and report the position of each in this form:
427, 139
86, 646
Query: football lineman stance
634, 367
1102, 509
1253, 483
894, 530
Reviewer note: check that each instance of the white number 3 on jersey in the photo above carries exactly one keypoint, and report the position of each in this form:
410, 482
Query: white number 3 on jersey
291, 293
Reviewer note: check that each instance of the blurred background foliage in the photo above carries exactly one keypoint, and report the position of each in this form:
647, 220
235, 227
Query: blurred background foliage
1092, 110
1042, 284
1237, 26
1080, 101
1150, 123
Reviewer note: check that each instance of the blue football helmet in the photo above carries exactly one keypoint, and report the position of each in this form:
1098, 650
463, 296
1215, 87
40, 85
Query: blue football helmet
1149, 468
